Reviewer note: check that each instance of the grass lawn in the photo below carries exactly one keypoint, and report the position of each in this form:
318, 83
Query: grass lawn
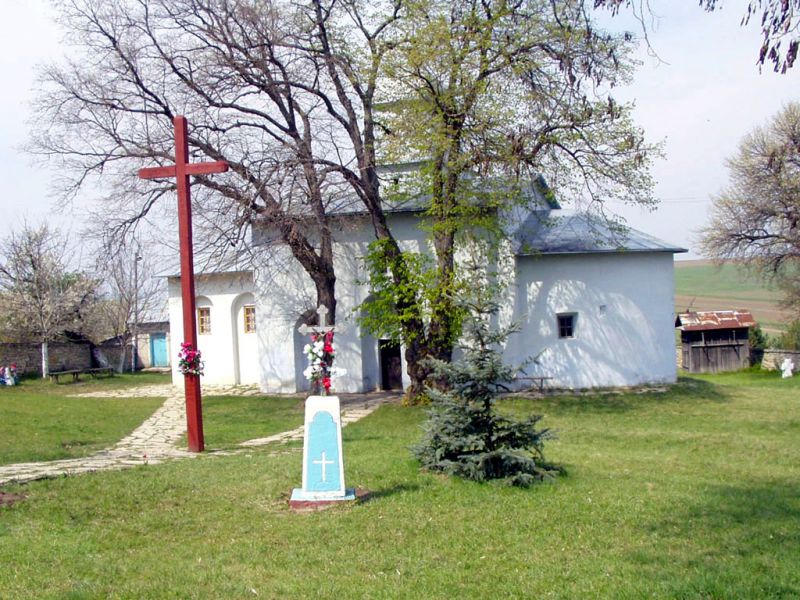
229, 420
39, 421
694, 493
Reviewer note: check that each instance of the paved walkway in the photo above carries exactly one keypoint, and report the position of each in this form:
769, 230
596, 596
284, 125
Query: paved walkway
157, 439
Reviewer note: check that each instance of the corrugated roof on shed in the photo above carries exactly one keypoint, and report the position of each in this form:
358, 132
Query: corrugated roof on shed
704, 320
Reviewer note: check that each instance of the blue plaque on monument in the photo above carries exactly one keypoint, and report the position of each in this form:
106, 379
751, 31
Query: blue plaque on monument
323, 464
322, 470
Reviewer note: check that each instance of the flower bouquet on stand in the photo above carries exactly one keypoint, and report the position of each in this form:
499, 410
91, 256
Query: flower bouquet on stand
320, 371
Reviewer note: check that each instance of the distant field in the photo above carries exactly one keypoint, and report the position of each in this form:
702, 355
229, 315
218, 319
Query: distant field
701, 285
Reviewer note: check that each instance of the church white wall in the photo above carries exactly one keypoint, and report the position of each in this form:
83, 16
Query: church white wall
624, 329
229, 354
285, 294
623, 302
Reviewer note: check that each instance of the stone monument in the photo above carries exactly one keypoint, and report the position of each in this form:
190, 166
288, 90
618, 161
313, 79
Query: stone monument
323, 459
787, 368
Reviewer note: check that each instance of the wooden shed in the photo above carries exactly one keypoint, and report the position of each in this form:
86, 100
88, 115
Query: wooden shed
715, 340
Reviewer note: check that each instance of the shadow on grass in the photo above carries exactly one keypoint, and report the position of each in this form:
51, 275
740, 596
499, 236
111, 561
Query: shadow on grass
395, 489
687, 390
743, 536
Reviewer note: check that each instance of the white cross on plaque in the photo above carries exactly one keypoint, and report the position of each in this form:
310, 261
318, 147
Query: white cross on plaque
324, 464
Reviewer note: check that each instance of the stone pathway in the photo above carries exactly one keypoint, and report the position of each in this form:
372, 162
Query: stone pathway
156, 440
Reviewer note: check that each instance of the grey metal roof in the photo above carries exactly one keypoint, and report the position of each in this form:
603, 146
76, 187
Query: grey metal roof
535, 192
169, 275
544, 232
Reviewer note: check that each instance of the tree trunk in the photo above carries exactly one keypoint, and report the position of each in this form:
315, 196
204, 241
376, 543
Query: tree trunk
45, 360
120, 368
417, 374
326, 286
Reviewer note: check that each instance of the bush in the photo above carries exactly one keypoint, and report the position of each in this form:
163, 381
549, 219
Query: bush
464, 435
790, 339
758, 341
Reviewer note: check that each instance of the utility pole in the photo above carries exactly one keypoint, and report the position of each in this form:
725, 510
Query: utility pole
135, 347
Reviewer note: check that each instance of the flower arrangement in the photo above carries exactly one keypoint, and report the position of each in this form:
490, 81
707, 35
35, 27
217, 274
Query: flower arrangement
8, 375
190, 361
320, 371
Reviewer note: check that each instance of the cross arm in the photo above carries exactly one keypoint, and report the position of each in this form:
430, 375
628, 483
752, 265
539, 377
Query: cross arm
204, 168
157, 172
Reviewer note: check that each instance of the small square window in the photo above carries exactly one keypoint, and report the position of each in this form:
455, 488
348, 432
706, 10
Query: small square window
566, 325
249, 319
204, 320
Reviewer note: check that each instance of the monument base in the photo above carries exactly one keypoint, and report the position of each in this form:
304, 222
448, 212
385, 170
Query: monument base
302, 501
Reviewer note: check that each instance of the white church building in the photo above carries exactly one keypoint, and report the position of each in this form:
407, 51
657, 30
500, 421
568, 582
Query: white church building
595, 305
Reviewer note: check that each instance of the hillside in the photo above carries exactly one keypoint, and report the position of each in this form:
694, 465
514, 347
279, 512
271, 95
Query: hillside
701, 285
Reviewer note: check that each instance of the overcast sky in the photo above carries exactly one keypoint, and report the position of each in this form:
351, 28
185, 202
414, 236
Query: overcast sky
700, 99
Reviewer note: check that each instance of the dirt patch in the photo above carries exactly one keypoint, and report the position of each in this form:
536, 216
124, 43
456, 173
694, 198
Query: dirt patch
9, 498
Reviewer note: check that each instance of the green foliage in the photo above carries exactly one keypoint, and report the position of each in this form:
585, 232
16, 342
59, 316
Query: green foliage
757, 338
790, 339
400, 288
465, 434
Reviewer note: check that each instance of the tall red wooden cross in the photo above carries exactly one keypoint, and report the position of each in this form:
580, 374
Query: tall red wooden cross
181, 171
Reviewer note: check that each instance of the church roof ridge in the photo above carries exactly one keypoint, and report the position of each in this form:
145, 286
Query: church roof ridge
581, 232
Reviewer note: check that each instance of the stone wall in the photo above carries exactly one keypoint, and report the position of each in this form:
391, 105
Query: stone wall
62, 356
774, 358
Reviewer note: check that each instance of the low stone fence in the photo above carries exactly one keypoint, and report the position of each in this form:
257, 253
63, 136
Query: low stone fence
62, 356
773, 359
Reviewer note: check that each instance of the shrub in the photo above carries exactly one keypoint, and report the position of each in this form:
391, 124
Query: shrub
790, 339
465, 435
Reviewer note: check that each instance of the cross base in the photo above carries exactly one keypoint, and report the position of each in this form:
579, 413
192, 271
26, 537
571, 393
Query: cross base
304, 502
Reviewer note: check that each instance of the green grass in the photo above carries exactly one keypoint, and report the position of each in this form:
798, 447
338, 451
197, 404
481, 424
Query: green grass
39, 421
704, 286
729, 280
229, 420
692, 493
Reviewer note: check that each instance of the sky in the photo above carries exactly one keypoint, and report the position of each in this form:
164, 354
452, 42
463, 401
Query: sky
699, 98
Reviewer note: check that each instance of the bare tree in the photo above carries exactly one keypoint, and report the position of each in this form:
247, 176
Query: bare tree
291, 95
128, 295
779, 21
40, 297
221, 63
756, 219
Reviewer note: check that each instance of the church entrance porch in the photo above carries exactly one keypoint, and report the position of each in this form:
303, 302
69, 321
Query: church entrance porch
391, 365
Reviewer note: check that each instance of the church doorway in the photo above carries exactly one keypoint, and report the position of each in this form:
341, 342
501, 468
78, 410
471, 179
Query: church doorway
391, 365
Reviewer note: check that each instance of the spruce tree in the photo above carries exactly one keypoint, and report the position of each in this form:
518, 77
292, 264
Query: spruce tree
465, 435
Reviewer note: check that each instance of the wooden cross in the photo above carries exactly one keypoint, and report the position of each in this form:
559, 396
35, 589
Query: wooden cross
181, 171
323, 326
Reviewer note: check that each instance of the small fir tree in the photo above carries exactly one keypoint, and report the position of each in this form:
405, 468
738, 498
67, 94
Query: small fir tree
757, 340
465, 435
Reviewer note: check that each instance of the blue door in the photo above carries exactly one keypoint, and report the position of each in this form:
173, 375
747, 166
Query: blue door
158, 349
